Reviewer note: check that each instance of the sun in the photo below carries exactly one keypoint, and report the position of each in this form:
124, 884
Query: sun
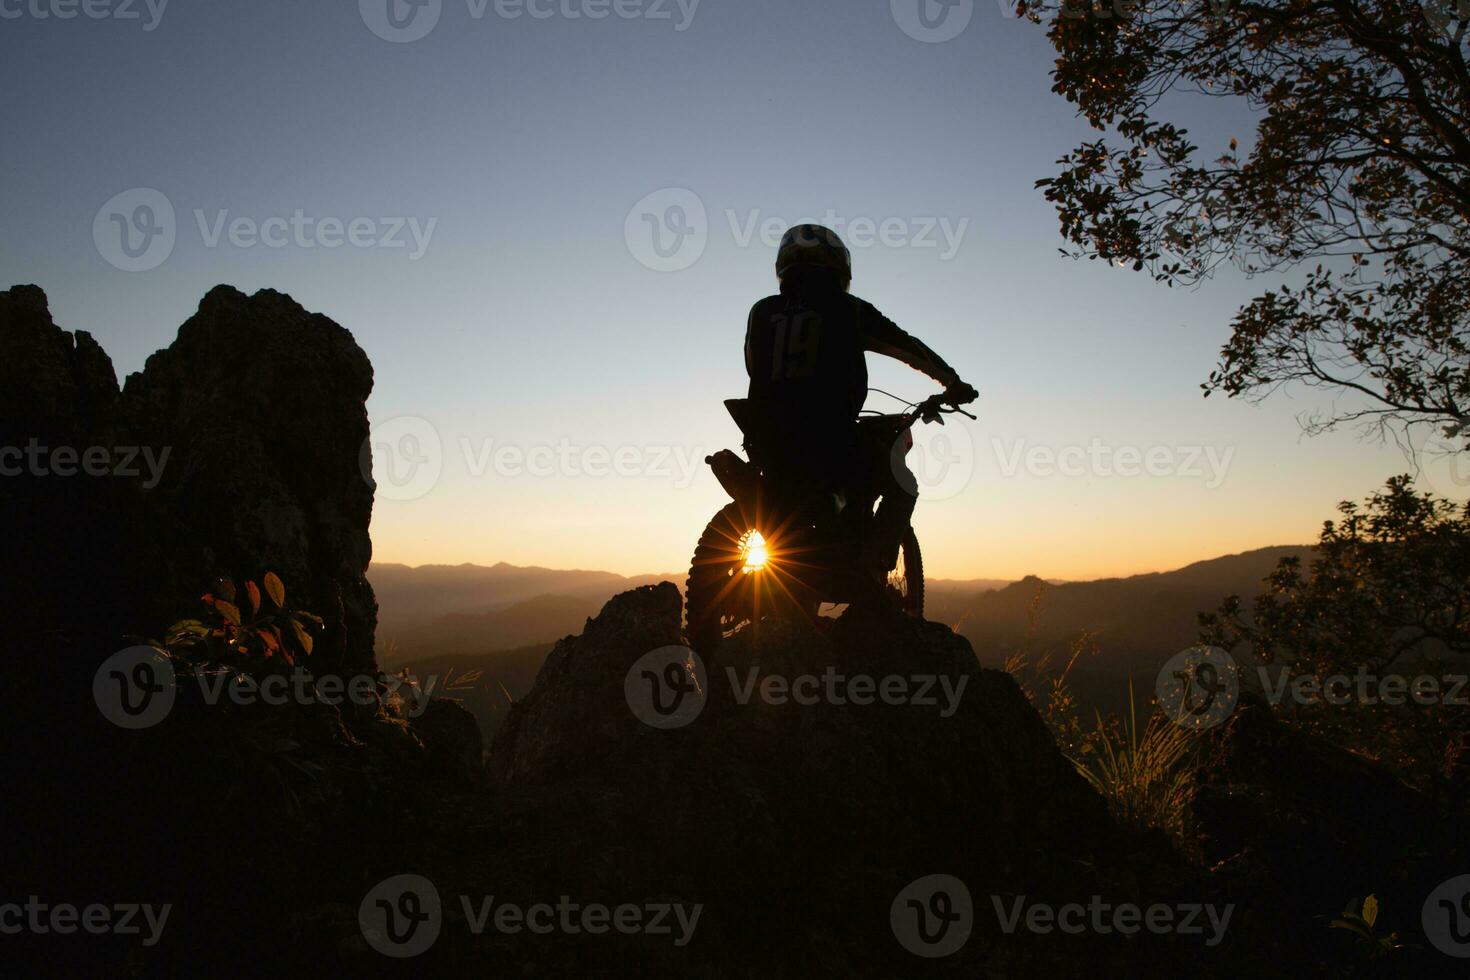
753, 550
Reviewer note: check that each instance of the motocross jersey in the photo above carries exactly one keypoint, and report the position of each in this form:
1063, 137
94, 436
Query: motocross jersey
805, 355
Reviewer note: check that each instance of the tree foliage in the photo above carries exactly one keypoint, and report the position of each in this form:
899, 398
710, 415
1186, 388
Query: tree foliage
1354, 195
1388, 593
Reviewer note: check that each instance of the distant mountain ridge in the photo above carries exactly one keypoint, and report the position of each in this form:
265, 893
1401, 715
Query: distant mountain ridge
447, 610
501, 619
1133, 620
437, 609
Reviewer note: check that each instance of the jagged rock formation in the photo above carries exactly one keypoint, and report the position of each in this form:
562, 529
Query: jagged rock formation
817, 758
795, 825
60, 385
264, 406
261, 409
63, 544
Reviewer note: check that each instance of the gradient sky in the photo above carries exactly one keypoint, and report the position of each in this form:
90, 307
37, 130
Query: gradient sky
529, 320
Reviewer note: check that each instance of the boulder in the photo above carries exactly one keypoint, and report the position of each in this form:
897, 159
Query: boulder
451, 737
1309, 823
795, 821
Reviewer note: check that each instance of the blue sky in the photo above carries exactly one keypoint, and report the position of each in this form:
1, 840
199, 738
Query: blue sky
519, 149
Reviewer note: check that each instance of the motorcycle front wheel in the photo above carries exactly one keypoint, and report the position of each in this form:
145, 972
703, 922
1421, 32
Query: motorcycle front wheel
711, 596
906, 580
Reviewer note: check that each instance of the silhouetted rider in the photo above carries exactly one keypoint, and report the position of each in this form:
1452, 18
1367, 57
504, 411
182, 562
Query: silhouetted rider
804, 352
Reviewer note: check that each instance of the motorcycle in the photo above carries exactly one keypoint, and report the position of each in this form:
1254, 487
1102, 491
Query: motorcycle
781, 549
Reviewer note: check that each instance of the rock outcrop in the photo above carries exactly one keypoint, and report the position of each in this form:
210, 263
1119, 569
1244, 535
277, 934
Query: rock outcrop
264, 408
235, 451
797, 764
260, 409
795, 821
62, 562
1278, 809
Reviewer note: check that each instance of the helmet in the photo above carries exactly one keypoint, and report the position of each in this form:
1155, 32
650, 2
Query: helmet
814, 245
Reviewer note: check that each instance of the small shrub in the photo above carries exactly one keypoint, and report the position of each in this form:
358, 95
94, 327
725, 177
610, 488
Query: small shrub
1147, 776
256, 633
1359, 918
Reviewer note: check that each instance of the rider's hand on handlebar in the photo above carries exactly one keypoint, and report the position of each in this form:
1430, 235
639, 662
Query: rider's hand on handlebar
960, 394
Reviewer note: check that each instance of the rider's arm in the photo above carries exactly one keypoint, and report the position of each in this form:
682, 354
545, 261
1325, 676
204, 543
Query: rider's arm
882, 336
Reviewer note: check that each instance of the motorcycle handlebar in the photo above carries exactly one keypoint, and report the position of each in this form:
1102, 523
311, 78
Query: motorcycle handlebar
930, 409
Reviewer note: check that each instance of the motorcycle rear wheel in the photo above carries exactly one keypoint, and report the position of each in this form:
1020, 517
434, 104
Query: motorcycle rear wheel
716, 601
